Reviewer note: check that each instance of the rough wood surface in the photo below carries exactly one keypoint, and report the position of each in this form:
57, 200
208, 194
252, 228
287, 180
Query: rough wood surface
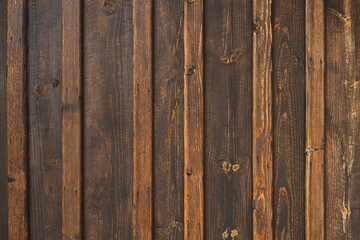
143, 120
342, 124
315, 120
168, 119
262, 121
45, 109
289, 119
193, 121
108, 119
228, 119
16, 128
71, 119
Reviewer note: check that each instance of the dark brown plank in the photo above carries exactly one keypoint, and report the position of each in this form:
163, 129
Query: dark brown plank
71, 119
262, 121
315, 120
168, 119
289, 119
17, 157
108, 119
342, 121
228, 118
193, 120
3, 113
143, 120
45, 108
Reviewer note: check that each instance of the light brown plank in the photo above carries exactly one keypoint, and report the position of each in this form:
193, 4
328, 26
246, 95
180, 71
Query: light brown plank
143, 120
315, 120
262, 121
193, 121
16, 121
71, 119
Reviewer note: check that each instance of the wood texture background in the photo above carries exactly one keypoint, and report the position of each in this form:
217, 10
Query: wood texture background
179, 119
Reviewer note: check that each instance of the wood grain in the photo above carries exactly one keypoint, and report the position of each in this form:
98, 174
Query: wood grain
143, 120
262, 121
315, 119
228, 119
71, 119
108, 119
3, 113
289, 119
17, 157
45, 110
342, 123
168, 40
193, 121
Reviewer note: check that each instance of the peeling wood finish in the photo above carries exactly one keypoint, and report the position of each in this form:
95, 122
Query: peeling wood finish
193, 121
262, 121
17, 157
143, 121
315, 119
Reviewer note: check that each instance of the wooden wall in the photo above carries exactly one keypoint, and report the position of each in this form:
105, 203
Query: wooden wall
179, 119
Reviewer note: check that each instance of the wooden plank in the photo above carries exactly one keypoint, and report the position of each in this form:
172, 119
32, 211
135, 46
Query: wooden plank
143, 120
108, 119
168, 119
71, 119
342, 122
315, 119
228, 117
193, 120
3, 114
289, 119
262, 121
17, 158
45, 110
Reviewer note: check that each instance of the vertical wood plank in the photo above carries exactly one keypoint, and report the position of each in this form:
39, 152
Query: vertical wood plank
17, 158
143, 120
289, 119
315, 119
108, 119
193, 121
3, 114
228, 119
168, 119
262, 120
342, 119
45, 110
71, 119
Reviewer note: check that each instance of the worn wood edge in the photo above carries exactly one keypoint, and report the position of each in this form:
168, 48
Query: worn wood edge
143, 121
17, 157
193, 121
262, 120
71, 119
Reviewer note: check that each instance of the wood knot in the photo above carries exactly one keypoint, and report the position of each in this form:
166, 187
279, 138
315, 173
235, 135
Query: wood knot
189, 172
190, 71
256, 28
109, 7
38, 91
11, 180
55, 83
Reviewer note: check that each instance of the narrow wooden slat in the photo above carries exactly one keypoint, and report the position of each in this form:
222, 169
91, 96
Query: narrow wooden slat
71, 119
289, 119
228, 118
3, 159
168, 119
193, 121
45, 110
17, 159
315, 119
107, 119
143, 120
262, 121
342, 124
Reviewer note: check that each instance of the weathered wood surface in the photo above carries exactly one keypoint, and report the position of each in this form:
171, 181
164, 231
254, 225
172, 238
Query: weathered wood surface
168, 40
289, 119
262, 121
315, 119
228, 118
